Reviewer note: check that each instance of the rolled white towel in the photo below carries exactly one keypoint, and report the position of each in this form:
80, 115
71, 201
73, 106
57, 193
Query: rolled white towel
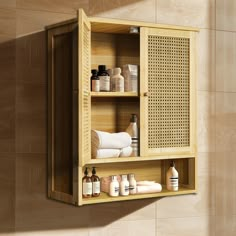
126, 152
106, 153
105, 140
154, 188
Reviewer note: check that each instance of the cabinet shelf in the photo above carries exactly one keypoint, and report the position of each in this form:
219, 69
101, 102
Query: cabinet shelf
114, 94
136, 159
104, 197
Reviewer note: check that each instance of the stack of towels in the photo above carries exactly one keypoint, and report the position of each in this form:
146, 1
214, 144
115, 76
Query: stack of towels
106, 144
148, 187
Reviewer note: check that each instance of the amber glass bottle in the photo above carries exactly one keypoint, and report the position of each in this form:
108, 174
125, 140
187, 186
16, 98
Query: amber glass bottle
87, 185
96, 183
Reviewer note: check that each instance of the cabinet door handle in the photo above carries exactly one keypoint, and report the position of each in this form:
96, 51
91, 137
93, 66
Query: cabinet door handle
145, 94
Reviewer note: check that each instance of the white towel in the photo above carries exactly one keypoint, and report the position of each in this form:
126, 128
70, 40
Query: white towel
126, 152
106, 153
154, 188
105, 140
145, 183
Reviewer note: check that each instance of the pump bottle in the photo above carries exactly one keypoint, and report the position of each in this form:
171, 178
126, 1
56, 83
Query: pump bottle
87, 185
95, 183
172, 178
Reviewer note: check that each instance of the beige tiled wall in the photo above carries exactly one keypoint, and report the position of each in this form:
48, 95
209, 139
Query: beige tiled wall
24, 207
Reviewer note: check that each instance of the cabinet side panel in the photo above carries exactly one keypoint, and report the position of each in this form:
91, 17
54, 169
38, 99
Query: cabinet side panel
61, 113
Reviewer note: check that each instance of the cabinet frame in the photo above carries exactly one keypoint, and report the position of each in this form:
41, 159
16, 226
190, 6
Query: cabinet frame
82, 28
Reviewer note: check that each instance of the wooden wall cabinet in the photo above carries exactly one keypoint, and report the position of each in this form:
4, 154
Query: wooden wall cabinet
165, 104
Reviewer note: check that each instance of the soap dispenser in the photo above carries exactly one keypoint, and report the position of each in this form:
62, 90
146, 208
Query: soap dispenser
132, 130
87, 185
95, 183
172, 178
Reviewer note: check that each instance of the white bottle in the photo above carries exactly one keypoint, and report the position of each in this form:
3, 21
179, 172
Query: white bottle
114, 187
132, 130
124, 186
172, 178
117, 81
132, 184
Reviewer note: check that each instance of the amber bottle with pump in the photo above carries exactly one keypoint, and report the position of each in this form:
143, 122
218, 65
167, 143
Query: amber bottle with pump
95, 183
87, 185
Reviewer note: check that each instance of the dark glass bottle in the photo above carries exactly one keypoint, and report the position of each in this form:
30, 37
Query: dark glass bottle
96, 183
87, 185
95, 82
104, 78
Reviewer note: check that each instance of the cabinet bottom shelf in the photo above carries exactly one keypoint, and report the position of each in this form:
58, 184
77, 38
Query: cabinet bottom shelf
104, 197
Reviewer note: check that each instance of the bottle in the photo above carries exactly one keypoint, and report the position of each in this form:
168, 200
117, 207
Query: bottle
172, 178
114, 187
132, 184
124, 186
132, 130
117, 81
95, 183
104, 78
95, 82
87, 184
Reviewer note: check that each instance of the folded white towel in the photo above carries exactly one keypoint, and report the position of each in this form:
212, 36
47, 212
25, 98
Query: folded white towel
126, 152
145, 183
105, 153
154, 188
105, 140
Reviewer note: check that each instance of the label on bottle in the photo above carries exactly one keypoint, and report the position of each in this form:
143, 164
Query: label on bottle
96, 187
119, 85
87, 188
134, 146
104, 83
95, 85
173, 183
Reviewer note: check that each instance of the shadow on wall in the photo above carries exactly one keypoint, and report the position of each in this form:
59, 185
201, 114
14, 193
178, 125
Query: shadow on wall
33, 210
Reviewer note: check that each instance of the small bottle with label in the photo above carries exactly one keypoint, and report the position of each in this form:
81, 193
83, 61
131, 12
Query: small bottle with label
172, 178
117, 81
114, 186
132, 130
87, 185
124, 186
132, 184
95, 183
95, 82
104, 78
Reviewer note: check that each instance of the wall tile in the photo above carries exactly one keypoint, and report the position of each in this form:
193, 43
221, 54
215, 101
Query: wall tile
31, 194
8, 22
226, 225
29, 22
7, 196
187, 13
225, 184
225, 61
138, 210
194, 226
30, 59
206, 60
127, 228
200, 204
54, 5
62, 232
226, 15
225, 122
142, 10
206, 121
7, 4
31, 118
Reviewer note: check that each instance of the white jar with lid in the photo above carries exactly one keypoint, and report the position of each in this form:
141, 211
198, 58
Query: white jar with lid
132, 184
124, 186
114, 186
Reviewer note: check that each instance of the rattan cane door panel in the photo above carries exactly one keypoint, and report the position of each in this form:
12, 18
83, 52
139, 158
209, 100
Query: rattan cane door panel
169, 85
